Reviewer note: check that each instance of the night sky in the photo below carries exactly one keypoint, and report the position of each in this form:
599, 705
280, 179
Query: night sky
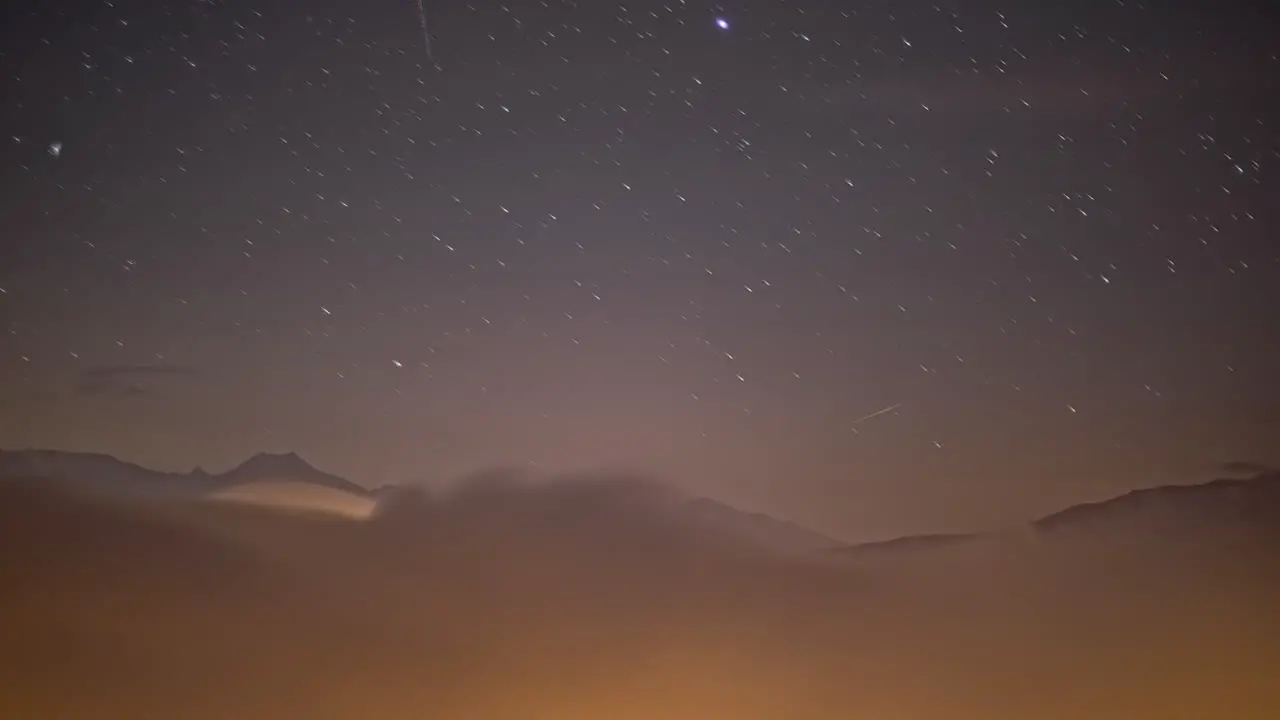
877, 267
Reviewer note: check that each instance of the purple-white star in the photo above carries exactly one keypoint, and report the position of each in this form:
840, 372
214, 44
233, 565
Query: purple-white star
722, 23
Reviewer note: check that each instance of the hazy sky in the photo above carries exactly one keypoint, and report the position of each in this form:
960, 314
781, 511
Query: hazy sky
620, 234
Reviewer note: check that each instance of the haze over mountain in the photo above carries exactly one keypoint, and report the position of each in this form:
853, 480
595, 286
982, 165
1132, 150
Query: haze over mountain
589, 596
285, 481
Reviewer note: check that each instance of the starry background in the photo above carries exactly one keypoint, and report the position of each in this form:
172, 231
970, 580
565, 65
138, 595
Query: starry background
1039, 237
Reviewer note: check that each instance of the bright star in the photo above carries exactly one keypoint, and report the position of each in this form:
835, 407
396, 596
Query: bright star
722, 23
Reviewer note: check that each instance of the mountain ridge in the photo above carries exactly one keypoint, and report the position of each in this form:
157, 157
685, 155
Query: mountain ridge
1251, 503
102, 473
1254, 500
287, 481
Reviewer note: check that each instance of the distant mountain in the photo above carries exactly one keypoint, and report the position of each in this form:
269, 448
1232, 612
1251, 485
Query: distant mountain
266, 479
1239, 509
286, 466
1244, 503
907, 543
286, 481
755, 528
102, 475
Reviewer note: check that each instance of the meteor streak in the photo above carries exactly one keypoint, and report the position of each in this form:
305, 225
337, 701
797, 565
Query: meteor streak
881, 411
426, 36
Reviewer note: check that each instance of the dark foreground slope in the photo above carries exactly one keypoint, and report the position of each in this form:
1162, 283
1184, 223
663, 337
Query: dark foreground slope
583, 600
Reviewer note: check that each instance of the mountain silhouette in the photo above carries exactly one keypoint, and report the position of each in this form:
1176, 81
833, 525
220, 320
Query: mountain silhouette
286, 466
906, 543
1252, 502
107, 477
287, 481
102, 475
1236, 506
1242, 511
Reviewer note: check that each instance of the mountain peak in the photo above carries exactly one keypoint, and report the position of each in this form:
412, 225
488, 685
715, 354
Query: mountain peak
288, 464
